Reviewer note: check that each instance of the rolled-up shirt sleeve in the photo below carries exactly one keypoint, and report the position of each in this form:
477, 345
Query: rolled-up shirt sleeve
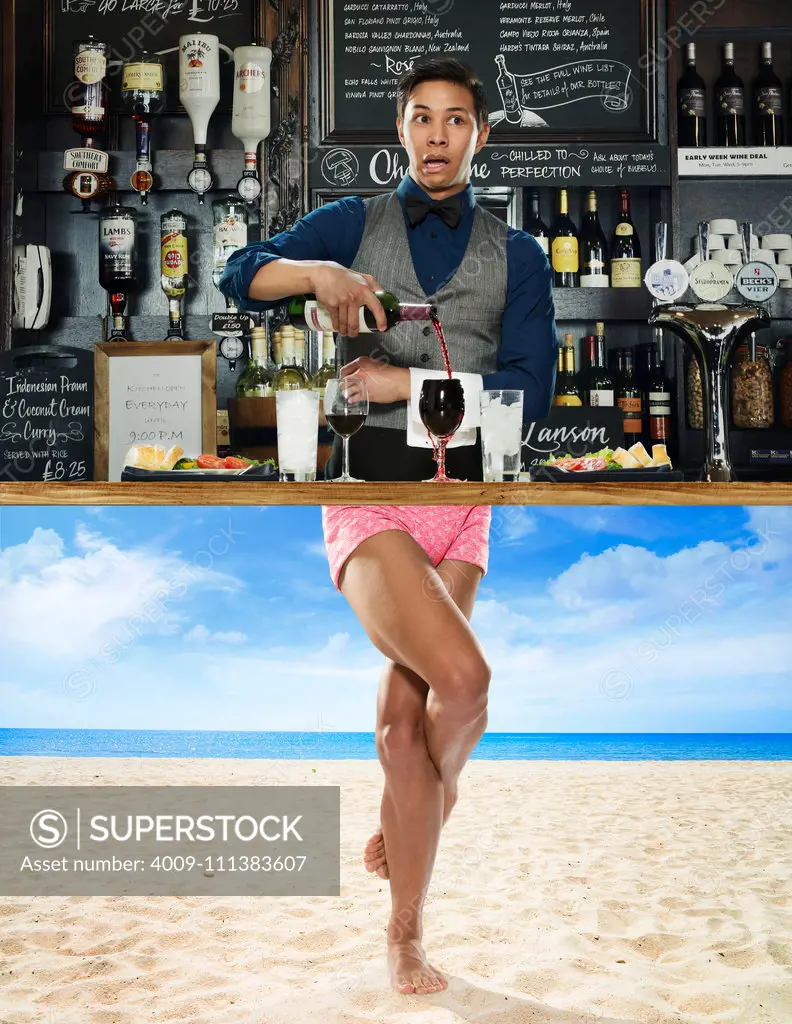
332, 232
528, 354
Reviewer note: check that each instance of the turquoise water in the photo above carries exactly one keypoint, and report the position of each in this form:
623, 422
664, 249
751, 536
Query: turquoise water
338, 746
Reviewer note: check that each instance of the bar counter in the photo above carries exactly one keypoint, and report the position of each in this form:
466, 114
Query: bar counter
209, 493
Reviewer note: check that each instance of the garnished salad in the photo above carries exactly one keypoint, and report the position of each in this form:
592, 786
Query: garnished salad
637, 457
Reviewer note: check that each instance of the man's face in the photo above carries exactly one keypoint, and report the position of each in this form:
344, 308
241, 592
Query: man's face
440, 133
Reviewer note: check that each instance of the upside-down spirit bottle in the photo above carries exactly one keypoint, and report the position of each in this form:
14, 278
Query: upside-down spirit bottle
250, 121
143, 94
175, 268
199, 92
308, 315
118, 261
90, 95
230, 233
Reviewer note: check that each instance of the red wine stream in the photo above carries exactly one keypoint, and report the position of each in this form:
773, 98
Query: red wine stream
441, 338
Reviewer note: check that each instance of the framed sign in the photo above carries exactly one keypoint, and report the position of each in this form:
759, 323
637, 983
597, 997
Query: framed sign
129, 26
153, 392
574, 70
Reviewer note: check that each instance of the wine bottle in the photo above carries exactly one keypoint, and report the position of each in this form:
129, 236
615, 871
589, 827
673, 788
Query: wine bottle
565, 246
626, 248
593, 248
598, 388
507, 87
730, 102
658, 403
692, 103
143, 94
534, 224
118, 261
307, 314
768, 97
299, 356
327, 371
287, 377
567, 390
628, 398
255, 381
175, 268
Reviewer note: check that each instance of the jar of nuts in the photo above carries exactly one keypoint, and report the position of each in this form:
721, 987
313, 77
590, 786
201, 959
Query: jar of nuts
695, 402
752, 389
785, 387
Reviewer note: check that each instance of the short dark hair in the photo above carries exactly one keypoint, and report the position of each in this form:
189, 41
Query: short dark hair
443, 69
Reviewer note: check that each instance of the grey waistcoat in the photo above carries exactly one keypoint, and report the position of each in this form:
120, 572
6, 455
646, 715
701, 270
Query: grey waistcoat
470, 305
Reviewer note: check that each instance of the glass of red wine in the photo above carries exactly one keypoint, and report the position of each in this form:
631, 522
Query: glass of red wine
442, 409
346, 405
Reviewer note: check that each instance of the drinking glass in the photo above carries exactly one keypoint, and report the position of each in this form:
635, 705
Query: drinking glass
298, 432
501, 435
346, 406
442, 409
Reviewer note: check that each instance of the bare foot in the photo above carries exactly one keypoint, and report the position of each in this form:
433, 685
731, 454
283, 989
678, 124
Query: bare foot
410, 971
374, 856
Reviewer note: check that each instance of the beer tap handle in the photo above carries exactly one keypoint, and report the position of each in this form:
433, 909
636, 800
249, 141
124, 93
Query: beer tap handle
703, 234
747, 234
661, 240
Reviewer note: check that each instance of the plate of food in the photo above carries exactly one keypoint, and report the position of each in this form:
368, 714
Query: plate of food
609, 465
153, 462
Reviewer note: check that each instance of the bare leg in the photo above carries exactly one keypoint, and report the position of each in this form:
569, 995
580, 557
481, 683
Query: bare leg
397, 596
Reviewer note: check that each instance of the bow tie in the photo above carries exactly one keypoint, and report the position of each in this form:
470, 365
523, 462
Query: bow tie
449, 210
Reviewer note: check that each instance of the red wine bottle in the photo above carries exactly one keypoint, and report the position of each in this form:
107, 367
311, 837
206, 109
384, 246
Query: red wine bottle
565, 246
628, 398
768, 102
534, 224
625, 248
730, 102
692, 103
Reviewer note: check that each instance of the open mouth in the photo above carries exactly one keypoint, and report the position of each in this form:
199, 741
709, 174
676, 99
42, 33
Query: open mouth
433, 164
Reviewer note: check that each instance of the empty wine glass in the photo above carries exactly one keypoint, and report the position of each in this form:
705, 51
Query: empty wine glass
346, 406
442, 409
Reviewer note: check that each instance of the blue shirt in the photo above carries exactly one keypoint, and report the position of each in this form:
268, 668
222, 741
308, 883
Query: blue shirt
528, 353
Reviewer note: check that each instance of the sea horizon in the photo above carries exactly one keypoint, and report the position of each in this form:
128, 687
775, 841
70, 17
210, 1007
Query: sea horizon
326, 745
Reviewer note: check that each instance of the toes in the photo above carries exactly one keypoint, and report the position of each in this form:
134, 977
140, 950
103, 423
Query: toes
405, 987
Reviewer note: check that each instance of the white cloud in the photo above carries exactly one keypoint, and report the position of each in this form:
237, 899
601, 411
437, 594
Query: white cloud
316, 548
510, 523
201, 635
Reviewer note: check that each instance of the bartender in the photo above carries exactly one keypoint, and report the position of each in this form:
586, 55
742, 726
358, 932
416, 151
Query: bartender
428, 240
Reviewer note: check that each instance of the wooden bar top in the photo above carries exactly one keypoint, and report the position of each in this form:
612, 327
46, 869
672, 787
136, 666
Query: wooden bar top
229, 493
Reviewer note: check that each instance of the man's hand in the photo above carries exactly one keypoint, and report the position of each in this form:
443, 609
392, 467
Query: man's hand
343, 293
385, 383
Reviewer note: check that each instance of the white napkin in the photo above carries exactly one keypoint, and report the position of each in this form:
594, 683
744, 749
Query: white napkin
472, 385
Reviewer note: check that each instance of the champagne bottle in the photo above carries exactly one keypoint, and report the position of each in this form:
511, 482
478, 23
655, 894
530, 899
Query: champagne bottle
730, 102
768, 97
598, 389
308, 315
593, 248
567, 386
534, 225
628, 398
327, 371
692, 105
255, 381
565, 247
626, 248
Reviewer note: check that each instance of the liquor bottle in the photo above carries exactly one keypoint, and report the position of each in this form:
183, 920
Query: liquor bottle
327, 371
660, 425
598, 387
90, 94
250, 121
626, 248
594, 270
534, 225
628, 398
199, 92
143, 95
507, 86
255, 381
730, 103
287, 377
118, 261
692, 104
768, 97
306, 313
175, 268
565, 246
230, 233
299, 355
567, 390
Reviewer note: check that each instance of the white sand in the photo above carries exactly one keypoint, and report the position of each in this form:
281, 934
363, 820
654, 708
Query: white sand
565, 892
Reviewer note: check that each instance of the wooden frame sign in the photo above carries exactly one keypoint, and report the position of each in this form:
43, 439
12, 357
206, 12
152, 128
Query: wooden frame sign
153, 392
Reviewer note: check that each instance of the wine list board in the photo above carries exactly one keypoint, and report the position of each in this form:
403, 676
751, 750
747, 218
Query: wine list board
129, 26
549, 67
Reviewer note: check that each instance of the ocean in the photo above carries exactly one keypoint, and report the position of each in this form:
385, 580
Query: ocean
339, 746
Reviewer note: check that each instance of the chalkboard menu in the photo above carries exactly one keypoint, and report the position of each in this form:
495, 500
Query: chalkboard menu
46, 414
128, 26
573, 432
551, 68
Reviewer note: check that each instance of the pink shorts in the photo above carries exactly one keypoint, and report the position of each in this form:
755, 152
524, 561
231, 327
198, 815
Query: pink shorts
443, 531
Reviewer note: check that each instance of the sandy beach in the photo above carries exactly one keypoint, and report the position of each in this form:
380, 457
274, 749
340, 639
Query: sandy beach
583, 892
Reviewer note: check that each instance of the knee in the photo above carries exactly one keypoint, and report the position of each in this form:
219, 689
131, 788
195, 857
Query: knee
466, 689
400, 742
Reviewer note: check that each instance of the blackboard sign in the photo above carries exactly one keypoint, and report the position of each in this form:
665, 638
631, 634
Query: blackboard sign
590, 166
574, 431
551, 68
128, 26
46, 414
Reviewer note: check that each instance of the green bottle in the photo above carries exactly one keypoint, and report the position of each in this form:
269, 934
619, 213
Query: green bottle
255, 381
308, 315
327, 371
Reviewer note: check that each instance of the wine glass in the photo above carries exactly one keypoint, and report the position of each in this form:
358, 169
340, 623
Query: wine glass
442, 409
346, 406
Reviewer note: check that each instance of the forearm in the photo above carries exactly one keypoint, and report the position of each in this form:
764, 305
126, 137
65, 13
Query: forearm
282, 278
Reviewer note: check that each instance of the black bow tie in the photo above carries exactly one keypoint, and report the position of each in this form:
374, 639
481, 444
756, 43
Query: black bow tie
418, 209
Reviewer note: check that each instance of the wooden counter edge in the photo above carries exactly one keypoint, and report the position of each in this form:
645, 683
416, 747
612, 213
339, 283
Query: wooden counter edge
210, 493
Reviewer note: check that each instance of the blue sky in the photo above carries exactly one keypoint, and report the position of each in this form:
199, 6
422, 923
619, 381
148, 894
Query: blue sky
593, 619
